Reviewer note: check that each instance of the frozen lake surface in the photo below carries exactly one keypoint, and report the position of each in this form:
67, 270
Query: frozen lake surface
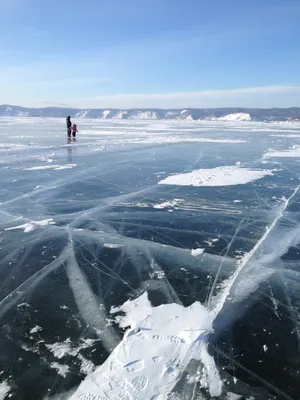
149, 260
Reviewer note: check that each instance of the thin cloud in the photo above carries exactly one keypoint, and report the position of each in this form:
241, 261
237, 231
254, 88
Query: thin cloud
33, 31
73, 82
262, 96
49, 103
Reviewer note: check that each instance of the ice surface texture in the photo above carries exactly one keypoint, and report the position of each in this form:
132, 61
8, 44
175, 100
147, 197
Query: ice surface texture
149, 260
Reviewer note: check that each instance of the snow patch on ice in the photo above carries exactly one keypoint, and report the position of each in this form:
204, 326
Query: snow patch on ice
32, 225
180, 139
62, 370
19, 146
157, 347
60, 350
36, 329
87, 366
112, 245
54, 167
157, 275
197, 252
293, 152
65, 348
167, 204
219, 176
233, 396
211, 241
294, 136
23, 305
4, 389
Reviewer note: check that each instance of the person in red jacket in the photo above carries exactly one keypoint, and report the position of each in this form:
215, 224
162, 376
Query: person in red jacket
74, 130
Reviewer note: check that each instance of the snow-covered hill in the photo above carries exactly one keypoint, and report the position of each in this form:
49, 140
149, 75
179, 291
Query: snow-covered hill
10, 111
144, 115
236, 117
188, 114
120, 115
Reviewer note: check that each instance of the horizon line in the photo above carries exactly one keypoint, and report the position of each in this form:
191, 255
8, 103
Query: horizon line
152, 108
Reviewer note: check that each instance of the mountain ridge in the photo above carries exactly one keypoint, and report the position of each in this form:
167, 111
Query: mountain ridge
213, 114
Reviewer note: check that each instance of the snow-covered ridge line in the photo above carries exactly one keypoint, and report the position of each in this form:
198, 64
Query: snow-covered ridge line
190, 114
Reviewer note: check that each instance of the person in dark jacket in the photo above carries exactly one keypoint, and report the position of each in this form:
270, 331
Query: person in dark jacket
69, 126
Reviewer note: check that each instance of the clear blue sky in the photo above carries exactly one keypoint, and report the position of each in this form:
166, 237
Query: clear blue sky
150, 53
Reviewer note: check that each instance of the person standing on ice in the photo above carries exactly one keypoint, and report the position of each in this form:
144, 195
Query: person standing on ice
74, 130
69, 125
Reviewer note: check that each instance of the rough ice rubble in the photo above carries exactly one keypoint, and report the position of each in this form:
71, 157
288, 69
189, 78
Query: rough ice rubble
155, 350
219, 176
